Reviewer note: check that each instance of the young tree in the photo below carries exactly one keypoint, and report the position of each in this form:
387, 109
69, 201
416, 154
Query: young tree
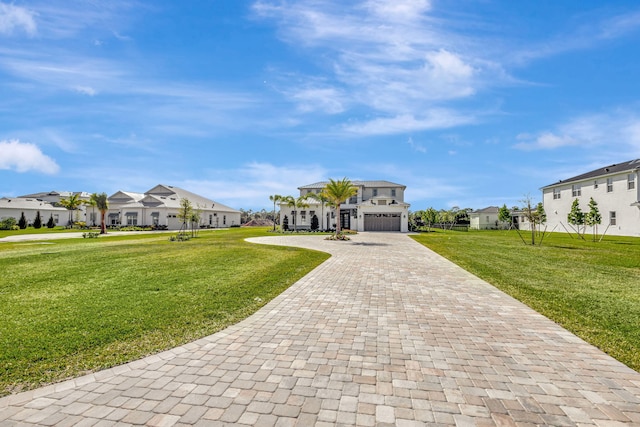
285, 223
51, 223
37, 223
339, 192
430, 217
576, 216
101, 201
22, 222
536, 217
185, 213
314, 223
275, 198
504, 215
593, 217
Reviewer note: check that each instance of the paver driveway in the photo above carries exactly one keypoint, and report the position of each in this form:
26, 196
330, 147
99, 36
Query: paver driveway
384, 333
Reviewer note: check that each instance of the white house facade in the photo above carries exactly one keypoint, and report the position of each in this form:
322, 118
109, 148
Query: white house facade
15, 206
614, 188
160, 205
378, 206
485, 219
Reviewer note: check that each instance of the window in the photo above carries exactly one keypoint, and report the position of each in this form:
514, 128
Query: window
631, 183
155, 218
393, 192
576, 191
312, 213
595, 184
375, 192
224, 220
93, 217
382, 202
609, 185
303, 215
612, 218
353, 200
556, 193
132, 218
56, 218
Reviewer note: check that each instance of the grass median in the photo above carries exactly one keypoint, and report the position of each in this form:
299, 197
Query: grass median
74, 306
590, 288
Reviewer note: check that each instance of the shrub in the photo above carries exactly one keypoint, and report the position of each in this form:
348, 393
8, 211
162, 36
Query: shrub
314, 223
90, 235
37, 223
22, 222
7, 223
51, 223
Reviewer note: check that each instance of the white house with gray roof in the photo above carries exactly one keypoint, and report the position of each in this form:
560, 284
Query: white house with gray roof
160, 206
15, 206
378, 206
615, 188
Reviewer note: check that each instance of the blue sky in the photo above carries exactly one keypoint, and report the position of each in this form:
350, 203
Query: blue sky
468, 103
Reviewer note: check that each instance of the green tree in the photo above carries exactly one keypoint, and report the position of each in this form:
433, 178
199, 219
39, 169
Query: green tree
430, 217
339, 192
314, 223
275, 198
285, 223
37, 223
184, 213
101, 202
593, 217
51, 223
7, 223
71, 204
504, 215
22, 222
536, 218
575, 217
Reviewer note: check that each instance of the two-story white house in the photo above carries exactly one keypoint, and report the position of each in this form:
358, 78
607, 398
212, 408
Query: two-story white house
614, 188
378, 206
160, 206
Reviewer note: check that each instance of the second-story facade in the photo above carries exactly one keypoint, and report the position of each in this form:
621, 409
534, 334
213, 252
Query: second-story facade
616, 190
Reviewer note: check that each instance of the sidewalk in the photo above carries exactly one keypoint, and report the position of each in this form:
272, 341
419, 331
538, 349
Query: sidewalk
384, 333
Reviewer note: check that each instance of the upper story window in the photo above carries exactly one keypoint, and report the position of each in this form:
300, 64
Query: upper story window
631, 183
595, 184
382, 202
576, 191
393, 192
556, 193
375, 192
609, 185
353, 200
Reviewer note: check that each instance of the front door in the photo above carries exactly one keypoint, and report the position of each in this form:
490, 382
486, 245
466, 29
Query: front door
345, 220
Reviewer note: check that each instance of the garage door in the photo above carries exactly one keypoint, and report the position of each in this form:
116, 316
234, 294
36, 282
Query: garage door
382, 222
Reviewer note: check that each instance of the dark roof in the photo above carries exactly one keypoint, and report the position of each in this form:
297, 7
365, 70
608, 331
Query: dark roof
382, 184
488, 209
603, 171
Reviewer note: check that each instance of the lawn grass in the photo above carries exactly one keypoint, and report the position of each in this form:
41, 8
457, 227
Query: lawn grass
590, 288
74, 306
42, 230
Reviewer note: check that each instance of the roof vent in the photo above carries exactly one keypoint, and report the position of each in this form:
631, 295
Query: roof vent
606, 169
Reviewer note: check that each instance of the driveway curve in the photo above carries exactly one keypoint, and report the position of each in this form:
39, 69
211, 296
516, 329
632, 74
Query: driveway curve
385, 332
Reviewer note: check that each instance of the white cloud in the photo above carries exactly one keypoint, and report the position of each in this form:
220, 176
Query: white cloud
317, 98
618, 131
86, 90
24, 157
434, 119
15, 17
415, 146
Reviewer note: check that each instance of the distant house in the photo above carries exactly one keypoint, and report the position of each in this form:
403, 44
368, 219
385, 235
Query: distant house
15, 206
160, 206
378, 206
485, 219
615, 188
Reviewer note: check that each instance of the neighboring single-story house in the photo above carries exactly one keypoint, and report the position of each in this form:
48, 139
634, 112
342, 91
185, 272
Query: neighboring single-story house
160, 206
15, 206
614, 188
378, 206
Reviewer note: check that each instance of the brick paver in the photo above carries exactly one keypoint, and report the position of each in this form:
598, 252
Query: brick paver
385, 332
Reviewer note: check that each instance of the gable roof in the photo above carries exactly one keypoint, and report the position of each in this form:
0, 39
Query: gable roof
603, 171
488, 209
28, 204
171, 196
379, 184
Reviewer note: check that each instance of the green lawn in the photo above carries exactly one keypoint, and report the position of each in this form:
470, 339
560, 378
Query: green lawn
590, 288
78, 305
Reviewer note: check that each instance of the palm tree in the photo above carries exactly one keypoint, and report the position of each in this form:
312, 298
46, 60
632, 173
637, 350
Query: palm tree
339, 192
72, 203
300, 202
323, 199
102, 203
275, 198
